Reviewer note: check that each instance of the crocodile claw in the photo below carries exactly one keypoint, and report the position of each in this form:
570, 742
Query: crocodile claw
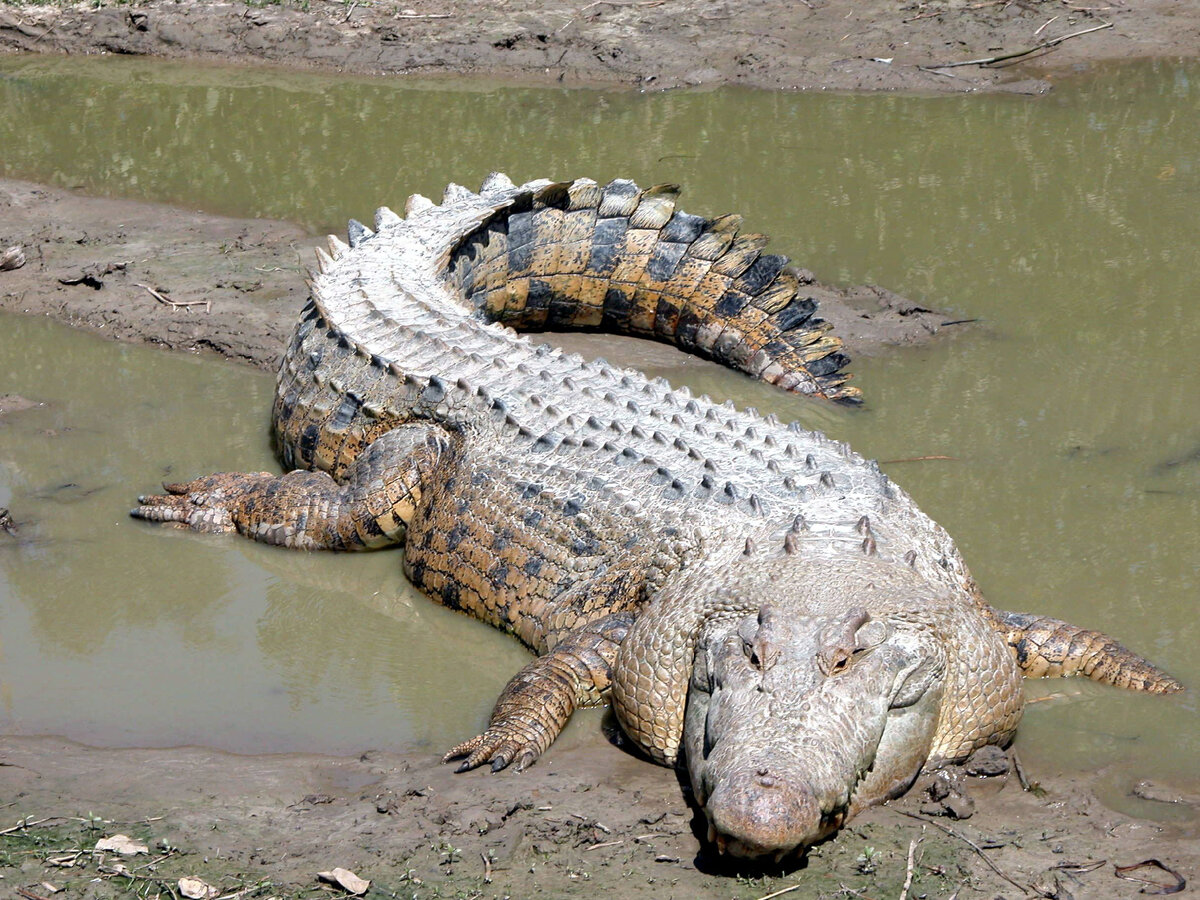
500, 745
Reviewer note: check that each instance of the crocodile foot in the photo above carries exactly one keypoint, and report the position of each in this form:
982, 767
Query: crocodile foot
204, 504
503, 743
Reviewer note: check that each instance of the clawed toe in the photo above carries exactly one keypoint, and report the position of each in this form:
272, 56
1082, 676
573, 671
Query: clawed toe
496, 746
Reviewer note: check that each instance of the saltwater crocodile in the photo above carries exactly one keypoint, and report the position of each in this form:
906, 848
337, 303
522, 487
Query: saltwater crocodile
759, 599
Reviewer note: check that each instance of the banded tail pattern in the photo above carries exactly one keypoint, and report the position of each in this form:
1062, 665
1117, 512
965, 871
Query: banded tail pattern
623, 260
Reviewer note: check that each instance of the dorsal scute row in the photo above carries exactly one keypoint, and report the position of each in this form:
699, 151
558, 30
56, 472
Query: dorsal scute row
384, 296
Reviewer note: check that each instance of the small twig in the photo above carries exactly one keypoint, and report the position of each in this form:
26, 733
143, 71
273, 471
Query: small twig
30, 895
579, 12
1020, 770
989, 60
153, 862
424, 15
487, 868
175, 304
350, 12
888, 462
970, 843
1043, 27
780, 892
603, 844
25, 823
908, 876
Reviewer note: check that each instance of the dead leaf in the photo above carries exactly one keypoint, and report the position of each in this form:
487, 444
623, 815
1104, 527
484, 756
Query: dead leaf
50, 888
123, 844
346, 880
12, 258
195, 889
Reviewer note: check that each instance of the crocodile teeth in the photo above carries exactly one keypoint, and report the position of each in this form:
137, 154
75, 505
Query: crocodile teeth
417, 203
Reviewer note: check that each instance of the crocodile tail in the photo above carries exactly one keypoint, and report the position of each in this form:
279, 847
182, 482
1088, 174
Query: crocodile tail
1047, 647
623, 260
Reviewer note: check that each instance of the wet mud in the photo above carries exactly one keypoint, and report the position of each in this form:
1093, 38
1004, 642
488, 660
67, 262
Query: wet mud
651, 44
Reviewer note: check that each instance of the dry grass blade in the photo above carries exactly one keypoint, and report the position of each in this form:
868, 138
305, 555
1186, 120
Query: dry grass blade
989, 60
1152, 886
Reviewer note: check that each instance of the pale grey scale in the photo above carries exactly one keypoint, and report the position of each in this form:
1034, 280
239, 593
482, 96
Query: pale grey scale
535, 405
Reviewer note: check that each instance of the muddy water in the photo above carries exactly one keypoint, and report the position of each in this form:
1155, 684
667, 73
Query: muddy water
1067, 225
118, 634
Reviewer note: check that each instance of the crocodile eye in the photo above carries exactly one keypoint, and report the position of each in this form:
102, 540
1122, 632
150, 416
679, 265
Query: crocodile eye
840, 660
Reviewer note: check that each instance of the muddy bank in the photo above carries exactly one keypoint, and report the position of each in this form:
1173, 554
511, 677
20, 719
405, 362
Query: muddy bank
584, 820
654, 44
149, 273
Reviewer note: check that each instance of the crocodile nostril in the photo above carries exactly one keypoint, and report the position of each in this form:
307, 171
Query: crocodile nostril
764, 777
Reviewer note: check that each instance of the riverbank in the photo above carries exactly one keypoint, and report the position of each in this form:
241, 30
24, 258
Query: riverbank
587, 820
650, 44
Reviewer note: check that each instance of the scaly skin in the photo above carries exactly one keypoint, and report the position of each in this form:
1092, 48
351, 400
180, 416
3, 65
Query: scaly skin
759, 598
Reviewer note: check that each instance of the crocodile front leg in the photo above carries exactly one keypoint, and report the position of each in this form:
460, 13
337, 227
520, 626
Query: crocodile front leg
535, 705
370, 507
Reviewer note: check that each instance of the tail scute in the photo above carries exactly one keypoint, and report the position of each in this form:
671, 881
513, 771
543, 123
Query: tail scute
616, 258
1047, 647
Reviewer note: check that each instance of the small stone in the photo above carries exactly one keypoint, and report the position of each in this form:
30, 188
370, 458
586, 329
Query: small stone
988, 762
195, 889
12, 258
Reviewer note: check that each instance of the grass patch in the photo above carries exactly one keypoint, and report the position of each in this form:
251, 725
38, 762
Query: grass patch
39, 854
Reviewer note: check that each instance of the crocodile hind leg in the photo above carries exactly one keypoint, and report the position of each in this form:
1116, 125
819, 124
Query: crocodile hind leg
1047, 647
369, 507
535, 705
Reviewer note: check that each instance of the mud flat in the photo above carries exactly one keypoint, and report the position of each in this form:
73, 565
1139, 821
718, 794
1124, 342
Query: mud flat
653, 44
588, 819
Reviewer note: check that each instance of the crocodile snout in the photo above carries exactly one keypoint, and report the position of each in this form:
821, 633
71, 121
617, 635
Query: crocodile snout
756, 814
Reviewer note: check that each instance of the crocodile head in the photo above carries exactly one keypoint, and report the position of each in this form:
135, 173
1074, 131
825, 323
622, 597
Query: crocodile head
795, 721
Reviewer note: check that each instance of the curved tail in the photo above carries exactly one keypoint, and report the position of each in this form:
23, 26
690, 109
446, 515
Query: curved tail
1047, 647
623, 260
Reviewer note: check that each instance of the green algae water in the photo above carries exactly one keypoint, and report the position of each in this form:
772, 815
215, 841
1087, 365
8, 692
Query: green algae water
1068, 413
